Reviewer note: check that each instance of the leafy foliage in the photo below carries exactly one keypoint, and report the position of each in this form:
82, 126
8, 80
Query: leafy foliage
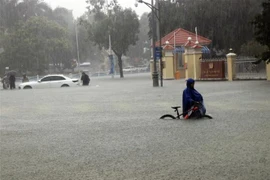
121, 24
226, 22
141, 50
36, 43
253, 48
262, 26
33, 36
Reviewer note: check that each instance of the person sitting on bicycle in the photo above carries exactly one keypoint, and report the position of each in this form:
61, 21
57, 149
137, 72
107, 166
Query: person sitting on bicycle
192, 97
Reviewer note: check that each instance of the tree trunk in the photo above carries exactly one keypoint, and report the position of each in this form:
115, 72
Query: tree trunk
120, 64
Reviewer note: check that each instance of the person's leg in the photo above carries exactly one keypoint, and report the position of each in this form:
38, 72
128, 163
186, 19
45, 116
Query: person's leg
196, 114
13, 85
203, 109
198, 111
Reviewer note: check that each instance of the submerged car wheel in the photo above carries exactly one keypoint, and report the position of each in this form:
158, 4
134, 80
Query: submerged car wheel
65, 85
27, 87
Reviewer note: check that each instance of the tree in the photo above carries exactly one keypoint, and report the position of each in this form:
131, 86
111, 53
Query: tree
36, 43
87, 49
15, 13
253, 48
121, 24
141, 49
225, 22
262, 26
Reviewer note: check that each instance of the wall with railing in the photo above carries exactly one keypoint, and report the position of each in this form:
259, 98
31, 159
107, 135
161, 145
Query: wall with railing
249, 68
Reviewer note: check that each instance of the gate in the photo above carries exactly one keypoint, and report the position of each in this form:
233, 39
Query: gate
247, 68
213, 69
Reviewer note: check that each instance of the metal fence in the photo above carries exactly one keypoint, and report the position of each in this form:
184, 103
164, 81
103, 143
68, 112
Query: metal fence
249, 68
214, 59
245, 67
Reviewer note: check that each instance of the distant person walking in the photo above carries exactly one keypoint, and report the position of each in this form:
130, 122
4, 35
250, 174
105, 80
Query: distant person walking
85, 79
25, 78
5, 82
12, 80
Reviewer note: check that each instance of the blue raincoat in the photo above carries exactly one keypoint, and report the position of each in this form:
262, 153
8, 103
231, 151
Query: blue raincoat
190, 95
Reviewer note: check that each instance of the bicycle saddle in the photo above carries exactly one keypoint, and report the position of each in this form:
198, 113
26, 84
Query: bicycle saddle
176, 107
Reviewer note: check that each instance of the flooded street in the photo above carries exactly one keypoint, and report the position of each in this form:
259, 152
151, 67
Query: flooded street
112, 130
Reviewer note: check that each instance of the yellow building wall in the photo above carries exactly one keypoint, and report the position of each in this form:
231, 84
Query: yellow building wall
175, 63
197, 66
180, 68
191, 65
182, 73
189, 61
168, 70
231, 66
268, 71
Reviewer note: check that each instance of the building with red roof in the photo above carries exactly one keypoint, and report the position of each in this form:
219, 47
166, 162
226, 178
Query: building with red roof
175, 46
180, 36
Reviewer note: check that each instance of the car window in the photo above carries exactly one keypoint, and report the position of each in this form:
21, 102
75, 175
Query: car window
45, 79
57, 78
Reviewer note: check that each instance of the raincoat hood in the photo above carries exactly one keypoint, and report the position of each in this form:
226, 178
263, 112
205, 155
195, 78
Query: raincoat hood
189, 82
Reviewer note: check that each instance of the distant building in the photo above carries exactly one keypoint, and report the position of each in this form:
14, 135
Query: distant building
176, 43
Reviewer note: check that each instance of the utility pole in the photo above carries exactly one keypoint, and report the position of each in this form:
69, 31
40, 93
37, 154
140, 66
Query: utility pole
77, 43
160, 44
155, 74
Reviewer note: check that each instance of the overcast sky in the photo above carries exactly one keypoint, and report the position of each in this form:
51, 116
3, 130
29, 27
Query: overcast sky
79, 6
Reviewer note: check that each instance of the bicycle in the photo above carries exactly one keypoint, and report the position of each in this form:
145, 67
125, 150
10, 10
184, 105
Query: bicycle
193, 109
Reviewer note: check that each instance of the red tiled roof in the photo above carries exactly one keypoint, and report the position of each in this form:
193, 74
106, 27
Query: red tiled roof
168, 47
181, 38
192, 44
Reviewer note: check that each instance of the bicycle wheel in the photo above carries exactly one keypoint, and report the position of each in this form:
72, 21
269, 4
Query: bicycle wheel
208, 116
167, 116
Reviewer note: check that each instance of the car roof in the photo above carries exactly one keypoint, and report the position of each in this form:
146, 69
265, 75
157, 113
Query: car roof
54, 75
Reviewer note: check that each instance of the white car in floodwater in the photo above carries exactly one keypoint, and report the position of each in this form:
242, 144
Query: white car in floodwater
130, 69
50, 81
